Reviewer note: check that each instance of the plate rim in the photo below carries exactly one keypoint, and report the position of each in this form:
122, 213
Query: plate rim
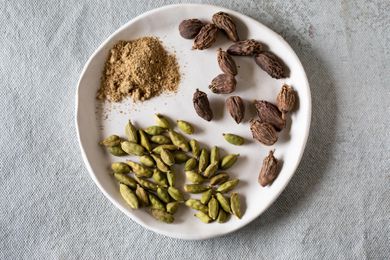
125, 211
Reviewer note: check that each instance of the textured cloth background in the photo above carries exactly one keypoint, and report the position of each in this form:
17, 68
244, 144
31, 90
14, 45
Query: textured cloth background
337, 206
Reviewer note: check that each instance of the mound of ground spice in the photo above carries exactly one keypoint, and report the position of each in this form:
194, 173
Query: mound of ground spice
141, 68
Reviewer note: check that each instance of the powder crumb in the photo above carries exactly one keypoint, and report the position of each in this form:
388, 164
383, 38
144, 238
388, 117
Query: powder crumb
141, 69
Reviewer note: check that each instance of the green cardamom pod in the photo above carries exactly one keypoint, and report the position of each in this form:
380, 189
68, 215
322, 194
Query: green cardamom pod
116, 151
162, 121
228, 186
129, 196
214, 155
163, 195
172, 207
203, 217
120, 167
195, 148
170, 147
211, 170
160, 178
180, 157
142, 196
131, 132
160, 139
132, 148
235, 205
190, 164
140, 170
147, 160
213, 208
111, 141
171, 178
223, 202
219, 178
179, 140
123, 178
234, 139
228, 161
222, 216
195, 177
196, 204
185, 127
204, 160
146, 184
206, 196
155, 202
167, 157
162, 215
195, 188
175, 194
154, 130
144, 140
160, 164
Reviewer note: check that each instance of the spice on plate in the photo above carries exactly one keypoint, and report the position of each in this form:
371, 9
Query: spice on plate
286, 99
224, 22
202, 105
190, 28
223, 84
206, 37
269, 113
269, 170
271, 64
245, 48
141, 69
235, 106
151, 182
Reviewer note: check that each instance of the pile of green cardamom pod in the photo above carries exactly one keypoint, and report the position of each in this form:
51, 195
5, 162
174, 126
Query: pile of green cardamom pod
158, 152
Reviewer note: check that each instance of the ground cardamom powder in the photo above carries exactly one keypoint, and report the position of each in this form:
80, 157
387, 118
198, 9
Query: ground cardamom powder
141, 69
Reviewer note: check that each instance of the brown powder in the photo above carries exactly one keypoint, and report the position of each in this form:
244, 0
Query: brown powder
141, 68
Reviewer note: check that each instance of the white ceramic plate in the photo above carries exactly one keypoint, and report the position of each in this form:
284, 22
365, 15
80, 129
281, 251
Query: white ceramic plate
95, 121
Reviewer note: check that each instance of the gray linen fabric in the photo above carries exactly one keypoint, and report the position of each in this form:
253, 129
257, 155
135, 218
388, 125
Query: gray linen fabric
337, 206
